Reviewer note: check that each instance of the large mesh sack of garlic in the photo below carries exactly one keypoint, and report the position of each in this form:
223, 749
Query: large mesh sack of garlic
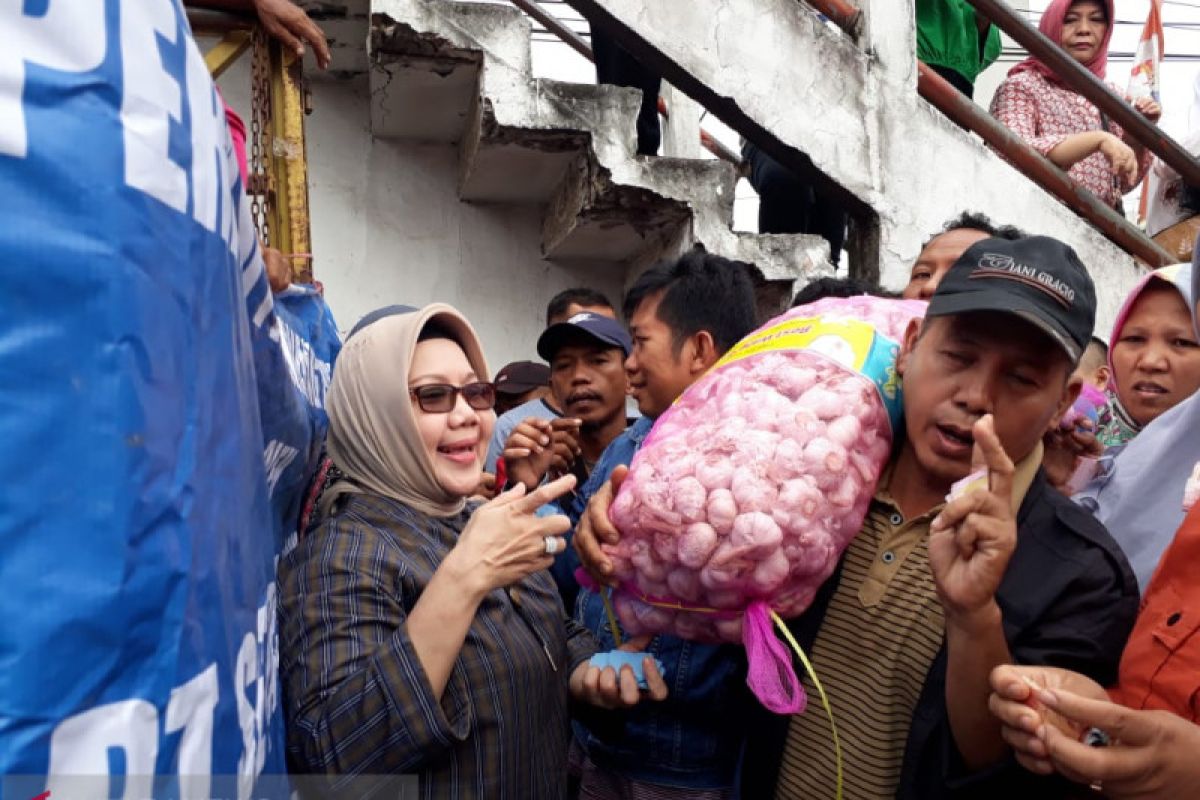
748, 489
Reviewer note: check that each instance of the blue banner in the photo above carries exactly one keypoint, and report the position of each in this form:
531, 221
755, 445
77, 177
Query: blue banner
158, 413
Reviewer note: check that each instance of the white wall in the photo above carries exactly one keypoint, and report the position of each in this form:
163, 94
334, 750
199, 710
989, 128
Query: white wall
388, 227
854, 109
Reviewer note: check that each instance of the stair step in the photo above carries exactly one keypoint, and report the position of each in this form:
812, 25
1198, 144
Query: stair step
460, 72
526, 163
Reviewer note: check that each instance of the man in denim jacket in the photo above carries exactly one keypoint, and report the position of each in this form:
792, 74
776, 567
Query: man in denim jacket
683, 316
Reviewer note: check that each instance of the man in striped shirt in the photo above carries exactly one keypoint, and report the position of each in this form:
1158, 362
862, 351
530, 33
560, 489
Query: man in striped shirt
932, 595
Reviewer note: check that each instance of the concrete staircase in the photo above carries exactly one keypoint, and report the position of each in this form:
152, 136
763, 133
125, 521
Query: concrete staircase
443, 71
807, 92
843, 111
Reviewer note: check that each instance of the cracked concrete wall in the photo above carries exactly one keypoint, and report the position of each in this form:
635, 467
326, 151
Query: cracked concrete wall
853, 109
388, 227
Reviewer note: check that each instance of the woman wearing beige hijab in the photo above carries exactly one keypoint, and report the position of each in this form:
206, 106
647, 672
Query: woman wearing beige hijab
419, 634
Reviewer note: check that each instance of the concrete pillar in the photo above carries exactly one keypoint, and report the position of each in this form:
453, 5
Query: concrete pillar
889, 35
681, 131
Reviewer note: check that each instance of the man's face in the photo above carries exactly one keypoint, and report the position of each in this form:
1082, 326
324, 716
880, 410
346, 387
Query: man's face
964, 366
589, 381
576, 308
936, 259
657, 374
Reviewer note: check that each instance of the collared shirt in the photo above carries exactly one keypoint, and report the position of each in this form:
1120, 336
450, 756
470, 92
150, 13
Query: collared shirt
1068, 599
1160, 667
358, 700
874, 681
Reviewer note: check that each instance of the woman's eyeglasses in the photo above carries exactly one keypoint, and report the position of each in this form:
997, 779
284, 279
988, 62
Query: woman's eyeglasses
439, 398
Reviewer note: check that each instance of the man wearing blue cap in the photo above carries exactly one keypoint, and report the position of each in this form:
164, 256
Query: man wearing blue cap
587, 355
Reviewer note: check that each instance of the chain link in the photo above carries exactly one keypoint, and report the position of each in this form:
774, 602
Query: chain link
260, 134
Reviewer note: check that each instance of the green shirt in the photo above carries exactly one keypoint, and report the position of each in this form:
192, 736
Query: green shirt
947, 37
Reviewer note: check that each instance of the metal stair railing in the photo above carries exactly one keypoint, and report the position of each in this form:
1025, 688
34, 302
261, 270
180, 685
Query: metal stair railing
577, 43
1083, 81
1039, 169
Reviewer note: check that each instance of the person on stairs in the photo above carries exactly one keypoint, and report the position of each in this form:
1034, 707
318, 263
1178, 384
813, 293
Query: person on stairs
1058, 122
616, 67
956, 41
788, 203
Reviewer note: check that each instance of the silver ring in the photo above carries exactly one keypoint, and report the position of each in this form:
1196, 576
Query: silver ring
551, 544
1095, 786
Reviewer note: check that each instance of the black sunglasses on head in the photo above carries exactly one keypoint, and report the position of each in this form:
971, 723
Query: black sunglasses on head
439, 398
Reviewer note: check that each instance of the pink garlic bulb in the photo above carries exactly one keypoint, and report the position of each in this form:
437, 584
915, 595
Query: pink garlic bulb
771, 572
697, 544
752, 493
722, 510
755, 534
690, 499
715, 472
684, 584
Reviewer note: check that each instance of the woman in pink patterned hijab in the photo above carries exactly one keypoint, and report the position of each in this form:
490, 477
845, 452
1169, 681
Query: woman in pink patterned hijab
1063, 125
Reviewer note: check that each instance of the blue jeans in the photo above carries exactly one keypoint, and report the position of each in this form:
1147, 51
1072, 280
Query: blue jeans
694, 737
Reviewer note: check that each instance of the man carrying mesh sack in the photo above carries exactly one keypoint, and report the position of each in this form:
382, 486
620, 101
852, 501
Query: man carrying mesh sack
683, 317
931, 595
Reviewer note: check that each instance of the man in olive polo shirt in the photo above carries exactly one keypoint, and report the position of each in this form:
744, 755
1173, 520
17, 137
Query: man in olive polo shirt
931, 596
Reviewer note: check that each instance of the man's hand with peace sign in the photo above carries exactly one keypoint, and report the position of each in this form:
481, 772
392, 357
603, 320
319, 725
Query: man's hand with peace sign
970, 544
971, 541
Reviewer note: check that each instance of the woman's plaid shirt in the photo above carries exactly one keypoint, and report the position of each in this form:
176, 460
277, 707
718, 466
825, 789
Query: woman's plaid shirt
358, 702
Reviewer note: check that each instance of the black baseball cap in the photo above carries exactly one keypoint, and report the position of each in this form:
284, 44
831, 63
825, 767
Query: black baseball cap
1036, 278
521, 376
583, 326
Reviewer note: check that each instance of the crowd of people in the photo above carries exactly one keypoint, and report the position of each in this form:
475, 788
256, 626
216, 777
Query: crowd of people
967, 648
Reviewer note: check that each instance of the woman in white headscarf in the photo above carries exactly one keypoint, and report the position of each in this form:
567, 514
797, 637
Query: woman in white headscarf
1140, 496
419, 634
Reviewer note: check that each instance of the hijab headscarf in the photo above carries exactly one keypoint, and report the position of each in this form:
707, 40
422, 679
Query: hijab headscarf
1116, 426
1140, 498
1051, 25
373, 437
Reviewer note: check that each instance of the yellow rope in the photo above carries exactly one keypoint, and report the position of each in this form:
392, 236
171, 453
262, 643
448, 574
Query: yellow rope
612, 617
812, 674
783, 629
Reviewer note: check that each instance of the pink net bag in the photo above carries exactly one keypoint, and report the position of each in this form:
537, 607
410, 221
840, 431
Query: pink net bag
747, 490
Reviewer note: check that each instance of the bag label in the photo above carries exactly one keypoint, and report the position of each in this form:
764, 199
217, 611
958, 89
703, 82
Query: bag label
855, 345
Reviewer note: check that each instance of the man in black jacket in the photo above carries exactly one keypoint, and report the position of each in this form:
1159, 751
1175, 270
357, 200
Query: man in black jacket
931, 595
